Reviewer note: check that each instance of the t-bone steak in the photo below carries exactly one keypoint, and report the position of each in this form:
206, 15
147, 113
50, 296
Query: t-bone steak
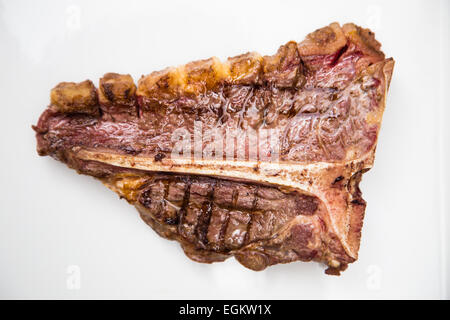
257, 157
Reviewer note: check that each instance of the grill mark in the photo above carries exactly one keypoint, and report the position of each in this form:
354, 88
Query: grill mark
138, 107
247, 231
182, 212
170, 221
166, 189
252, 215
222, 232
340, 178
201, 229
302, 70
234, 197
255, 200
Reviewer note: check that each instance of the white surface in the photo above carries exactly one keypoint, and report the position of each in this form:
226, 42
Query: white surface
51, 218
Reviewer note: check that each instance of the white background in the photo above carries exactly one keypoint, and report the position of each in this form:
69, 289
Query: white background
52, 219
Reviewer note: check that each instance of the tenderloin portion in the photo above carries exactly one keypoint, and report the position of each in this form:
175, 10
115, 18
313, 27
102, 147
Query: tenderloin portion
256, 157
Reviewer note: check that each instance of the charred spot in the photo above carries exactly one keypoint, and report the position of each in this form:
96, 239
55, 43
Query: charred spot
171, 221
340, 178
159, 156
127, 93
203, 223
107, 89
129, 150
360, 202
145, 198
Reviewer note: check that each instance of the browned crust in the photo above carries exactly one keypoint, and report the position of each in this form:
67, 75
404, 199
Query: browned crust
71, 97
116, 88
364, 39
284, 69
250, 68
323, 41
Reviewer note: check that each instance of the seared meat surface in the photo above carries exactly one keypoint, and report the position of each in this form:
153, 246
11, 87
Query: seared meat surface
256, 157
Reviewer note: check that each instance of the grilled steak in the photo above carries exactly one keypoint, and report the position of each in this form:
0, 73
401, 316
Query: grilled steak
256, 157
